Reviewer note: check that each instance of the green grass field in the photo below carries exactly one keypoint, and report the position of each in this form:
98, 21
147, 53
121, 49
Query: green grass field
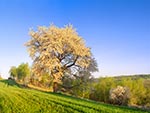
14, 99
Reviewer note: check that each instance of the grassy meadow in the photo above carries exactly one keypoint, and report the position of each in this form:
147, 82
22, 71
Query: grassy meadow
17, 99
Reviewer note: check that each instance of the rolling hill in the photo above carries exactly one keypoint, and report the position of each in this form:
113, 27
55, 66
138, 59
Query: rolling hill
17, 99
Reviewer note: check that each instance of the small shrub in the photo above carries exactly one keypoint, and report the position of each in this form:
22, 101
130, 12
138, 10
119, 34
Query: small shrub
119, 95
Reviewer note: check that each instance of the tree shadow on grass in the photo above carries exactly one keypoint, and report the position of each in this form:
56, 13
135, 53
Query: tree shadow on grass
10, 82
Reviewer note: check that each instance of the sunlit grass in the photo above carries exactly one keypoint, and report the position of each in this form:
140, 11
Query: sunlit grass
14, 99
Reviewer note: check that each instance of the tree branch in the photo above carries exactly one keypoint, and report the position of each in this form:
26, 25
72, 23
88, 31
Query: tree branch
74, 62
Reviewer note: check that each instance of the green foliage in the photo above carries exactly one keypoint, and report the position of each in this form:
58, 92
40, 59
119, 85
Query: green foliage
147, 94
102, 88
18, 100
10, 82
80, 84
21, 73
13, 72
44, 81
139, 88
133, 77
1, 77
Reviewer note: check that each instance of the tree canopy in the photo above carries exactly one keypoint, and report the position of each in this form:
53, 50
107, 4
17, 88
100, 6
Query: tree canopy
20, 72
58, 51
13, 72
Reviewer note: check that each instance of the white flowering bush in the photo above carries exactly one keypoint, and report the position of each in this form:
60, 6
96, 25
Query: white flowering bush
119, 95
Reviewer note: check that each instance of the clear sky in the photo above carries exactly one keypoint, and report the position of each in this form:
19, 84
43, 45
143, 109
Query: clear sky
118, 31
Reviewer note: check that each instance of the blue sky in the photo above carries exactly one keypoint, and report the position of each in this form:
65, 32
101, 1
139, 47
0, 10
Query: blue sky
118, 31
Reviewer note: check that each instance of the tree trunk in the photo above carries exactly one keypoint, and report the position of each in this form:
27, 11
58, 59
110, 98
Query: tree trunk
55, 87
